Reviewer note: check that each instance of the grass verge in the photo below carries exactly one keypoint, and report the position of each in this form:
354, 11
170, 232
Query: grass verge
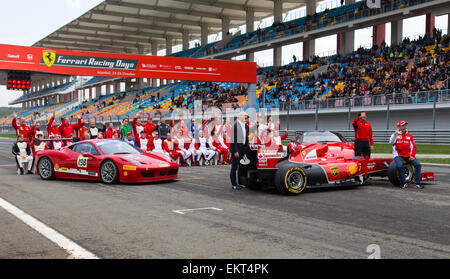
435, 161
421, 148
11, 136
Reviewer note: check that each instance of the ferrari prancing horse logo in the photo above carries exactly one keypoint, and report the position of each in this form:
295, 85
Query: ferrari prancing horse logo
49, 57
334, 171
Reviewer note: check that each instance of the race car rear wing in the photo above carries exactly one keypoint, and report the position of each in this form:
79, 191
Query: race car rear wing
38, 141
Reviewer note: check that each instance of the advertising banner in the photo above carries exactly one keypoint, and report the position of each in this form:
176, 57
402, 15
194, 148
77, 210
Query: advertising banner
83, 63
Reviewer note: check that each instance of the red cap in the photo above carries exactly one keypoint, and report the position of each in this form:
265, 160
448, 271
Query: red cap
401, 123
149, 118
129, 134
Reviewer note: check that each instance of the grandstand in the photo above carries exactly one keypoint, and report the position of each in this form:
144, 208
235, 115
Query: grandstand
405, 75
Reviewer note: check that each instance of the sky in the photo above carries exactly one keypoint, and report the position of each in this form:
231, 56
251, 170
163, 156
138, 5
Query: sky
25, 22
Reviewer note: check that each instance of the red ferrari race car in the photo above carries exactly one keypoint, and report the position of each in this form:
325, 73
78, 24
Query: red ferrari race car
316, 159
110, 161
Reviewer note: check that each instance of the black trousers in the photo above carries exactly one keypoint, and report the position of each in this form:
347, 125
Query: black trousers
234, 168
362, 148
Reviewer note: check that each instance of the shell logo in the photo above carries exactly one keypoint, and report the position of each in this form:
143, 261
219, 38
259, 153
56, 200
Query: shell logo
352, 169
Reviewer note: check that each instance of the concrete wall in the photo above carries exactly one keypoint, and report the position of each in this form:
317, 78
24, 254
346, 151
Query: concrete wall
417, 119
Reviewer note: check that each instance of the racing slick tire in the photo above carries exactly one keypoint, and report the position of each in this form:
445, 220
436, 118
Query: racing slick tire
394, 175
109, 172
45, 168
290, 180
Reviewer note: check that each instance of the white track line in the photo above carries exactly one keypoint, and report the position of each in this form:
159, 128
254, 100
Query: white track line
75, 251
182, 211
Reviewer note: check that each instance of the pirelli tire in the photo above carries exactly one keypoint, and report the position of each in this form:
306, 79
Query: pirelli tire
394, 175
290, 180
45, 168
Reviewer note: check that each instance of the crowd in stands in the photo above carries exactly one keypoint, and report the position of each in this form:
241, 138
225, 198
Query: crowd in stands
210, 94
413, 66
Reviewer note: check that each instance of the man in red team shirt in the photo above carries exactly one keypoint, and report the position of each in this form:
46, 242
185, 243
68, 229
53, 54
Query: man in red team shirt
53, 128
70, 129
363, 135
404, 148
22, 128
149, 126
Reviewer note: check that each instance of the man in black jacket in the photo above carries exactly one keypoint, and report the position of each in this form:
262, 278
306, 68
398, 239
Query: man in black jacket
238, 145
163, 128
22, 153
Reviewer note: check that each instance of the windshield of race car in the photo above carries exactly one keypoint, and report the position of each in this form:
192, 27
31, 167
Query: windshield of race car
317, 136
111, 147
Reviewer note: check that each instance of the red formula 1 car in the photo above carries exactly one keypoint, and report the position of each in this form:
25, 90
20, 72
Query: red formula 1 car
316, 159
110, 161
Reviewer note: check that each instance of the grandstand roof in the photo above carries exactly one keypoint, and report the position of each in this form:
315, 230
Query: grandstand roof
129, 26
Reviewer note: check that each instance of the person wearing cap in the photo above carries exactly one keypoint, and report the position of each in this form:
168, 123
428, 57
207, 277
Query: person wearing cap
144, 141
404, 148
129, 139
363, 135
42, 144
239, 141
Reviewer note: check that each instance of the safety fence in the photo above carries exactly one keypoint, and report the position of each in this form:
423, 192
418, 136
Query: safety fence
383, 136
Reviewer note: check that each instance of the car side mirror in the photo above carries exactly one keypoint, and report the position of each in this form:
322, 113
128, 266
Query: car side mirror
88, 155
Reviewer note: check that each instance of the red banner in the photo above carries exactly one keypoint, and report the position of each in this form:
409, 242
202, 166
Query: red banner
83, 63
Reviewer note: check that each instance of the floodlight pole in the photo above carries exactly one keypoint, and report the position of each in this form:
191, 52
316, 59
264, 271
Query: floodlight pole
251, 95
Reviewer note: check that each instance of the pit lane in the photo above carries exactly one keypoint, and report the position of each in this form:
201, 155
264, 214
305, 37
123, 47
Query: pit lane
138, 221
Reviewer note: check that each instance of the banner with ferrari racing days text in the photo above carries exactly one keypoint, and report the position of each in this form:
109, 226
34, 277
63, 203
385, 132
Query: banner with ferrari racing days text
83, 63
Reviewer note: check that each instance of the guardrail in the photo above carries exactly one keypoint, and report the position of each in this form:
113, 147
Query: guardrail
383, 136
421, 97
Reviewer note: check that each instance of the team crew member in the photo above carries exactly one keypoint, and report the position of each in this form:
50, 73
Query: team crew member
70, 129
129, 139
22, 128
136, 125
276, 140
163, 128
42, 144
193, 148
156, 144
22, 152
149, 126
109, 131
181, 148
144, 141
53, 128
169, 147
125, 129
57, 144
35, 129
115, 135
363, 135
93, 130
222, 150
82, 131
204, 148
225, 146
404, 148
271, 126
